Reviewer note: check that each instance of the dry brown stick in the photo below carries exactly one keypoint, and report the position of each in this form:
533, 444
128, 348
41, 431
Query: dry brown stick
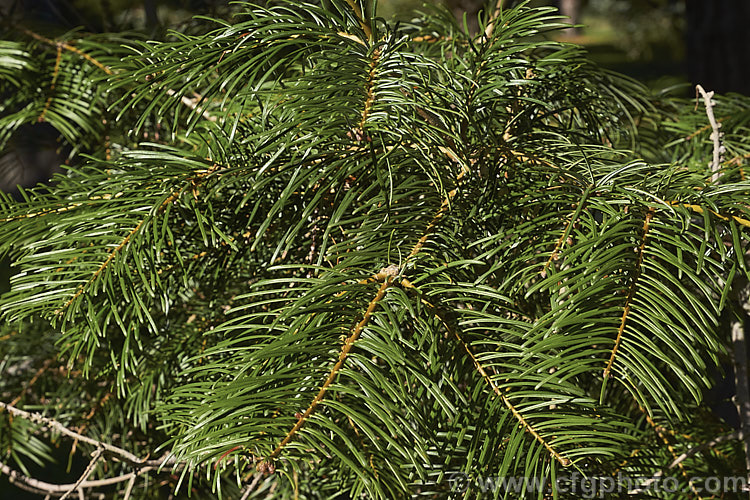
739, 342
251, 487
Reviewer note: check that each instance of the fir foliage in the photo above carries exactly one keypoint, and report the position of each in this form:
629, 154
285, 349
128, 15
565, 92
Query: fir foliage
326, 256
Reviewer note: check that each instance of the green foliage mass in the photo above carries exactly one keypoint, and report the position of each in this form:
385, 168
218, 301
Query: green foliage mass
325, 256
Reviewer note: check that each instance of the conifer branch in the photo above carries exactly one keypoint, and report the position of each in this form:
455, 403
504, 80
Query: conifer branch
517, 414
172, 198
110, 257
348, 343
699, 209
42, 213
564, 461
566, 232
63, 45
660, 433
388, 275
69, 48
631, 293
211, 356
55, 73
369, 90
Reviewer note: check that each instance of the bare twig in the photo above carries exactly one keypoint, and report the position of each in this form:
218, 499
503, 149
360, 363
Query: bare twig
678, 460
715, 134
251, 487
54, 425
709, 444
64, 490
192, 104
129, 487
86, 473
37, 486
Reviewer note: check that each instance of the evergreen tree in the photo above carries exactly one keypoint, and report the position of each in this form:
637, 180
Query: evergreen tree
310, 254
